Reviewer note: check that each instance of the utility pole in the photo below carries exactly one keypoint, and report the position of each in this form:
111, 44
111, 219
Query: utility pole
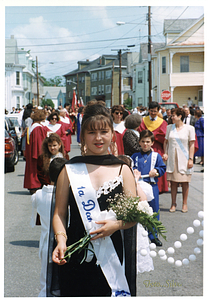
119, 57
37, 83
112, 82
149, 54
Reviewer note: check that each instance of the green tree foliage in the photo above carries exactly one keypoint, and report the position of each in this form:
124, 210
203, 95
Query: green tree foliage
56, 81
128, 103
47, 102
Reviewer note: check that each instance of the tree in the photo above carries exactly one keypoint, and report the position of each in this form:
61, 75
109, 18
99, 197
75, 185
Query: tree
128, 103
47, 102
56, 81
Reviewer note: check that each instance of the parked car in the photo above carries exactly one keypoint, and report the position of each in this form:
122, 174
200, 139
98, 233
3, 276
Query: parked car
10, 128
10, 153
169, 105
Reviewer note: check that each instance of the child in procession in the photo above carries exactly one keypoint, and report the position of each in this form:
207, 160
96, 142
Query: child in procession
41, 204
148, 162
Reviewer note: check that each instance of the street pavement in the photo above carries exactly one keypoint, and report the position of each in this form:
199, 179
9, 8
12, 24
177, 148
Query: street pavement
21, 260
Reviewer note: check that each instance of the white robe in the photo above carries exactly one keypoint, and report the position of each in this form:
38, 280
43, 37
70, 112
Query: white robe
41, 204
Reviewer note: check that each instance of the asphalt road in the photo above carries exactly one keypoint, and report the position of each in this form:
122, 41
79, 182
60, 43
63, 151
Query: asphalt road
22, 264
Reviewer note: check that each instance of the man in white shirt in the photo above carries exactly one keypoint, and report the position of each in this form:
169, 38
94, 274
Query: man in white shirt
189, 119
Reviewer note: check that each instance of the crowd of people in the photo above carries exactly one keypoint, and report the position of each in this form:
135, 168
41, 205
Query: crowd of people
138, 153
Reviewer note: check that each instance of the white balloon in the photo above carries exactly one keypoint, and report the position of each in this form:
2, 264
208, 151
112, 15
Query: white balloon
200, 242
201, 214
144, 233
177, 244
201, 233
152, 246
170, 260
183, 237
164, 257
178, 263
161, 252
197, 250
196, 223
202, 223
143, 252
152, 253
185, 261
170, 250
192, 257
190, 230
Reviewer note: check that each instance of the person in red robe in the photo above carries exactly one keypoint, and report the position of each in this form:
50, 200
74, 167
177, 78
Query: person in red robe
67, 124
55, 126
158, 127
36, 136
118, 126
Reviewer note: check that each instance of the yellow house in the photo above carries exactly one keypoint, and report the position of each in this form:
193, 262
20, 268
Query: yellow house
179, 66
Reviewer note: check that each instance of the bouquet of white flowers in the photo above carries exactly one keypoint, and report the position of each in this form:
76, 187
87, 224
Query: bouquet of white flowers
131, 209
127, 209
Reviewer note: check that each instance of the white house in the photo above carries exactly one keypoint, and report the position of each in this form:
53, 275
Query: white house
18, 75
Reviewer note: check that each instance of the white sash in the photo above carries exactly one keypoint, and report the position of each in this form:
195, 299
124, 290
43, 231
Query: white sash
186, 154
107, 258
153, 162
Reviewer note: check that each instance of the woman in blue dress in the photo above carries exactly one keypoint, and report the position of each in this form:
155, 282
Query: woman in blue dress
199, 130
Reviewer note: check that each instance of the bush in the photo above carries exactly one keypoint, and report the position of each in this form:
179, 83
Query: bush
47, 102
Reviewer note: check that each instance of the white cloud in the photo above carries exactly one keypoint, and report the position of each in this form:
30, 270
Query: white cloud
102, 15
53, 35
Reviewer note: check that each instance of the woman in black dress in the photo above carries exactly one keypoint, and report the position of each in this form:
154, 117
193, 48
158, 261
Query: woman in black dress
108, 176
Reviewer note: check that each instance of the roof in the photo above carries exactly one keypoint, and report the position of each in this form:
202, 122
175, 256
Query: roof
93, 64
177, 26
54, 90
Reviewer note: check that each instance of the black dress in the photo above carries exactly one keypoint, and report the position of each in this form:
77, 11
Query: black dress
87, 279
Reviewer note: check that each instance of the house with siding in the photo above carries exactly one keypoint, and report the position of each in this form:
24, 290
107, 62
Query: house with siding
179, 65
99, 79
56, 93
18, 75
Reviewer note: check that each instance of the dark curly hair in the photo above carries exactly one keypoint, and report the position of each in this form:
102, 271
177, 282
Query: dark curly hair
55, 113
46, 154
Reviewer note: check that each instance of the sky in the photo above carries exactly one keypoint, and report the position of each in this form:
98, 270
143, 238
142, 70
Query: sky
62, 34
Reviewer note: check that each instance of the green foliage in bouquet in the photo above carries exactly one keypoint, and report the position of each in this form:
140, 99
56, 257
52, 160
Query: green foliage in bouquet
131, 209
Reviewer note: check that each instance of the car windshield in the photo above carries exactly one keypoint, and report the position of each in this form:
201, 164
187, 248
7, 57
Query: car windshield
14, 121
6, 134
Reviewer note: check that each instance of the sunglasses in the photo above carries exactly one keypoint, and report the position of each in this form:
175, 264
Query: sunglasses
118, 113
54, 118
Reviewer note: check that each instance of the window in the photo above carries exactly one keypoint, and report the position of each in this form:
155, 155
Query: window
102, 91
140, 77
163, 65
83, 79
108, 89
184, 63
94, 77
102, 75
94, 90
108, 74
99, 91
18, 102
17, 78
